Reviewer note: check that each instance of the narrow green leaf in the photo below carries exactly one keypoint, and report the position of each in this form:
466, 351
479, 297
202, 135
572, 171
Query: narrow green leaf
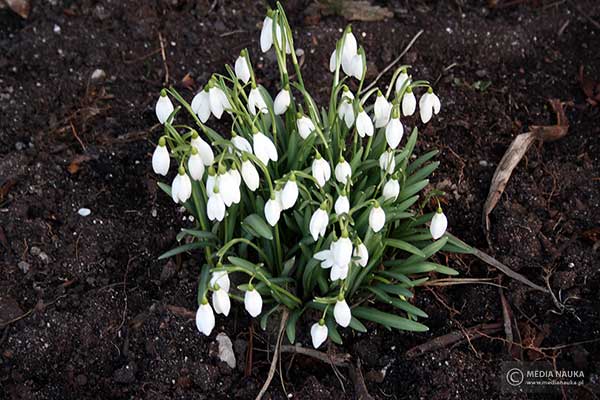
258, 224
386, 319
409, 308
402, 245
183, 248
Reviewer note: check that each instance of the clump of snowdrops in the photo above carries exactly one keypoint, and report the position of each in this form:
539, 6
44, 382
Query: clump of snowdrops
312, 207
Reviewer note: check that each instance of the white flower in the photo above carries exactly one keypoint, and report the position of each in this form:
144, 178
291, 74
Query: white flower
236, 176
264, 148
429, 104
204, 149
164, 107
250, 175
221, 302
161, 159
318, 223
346, 107
266, 34
272, 211
256, 102
387, 161
341, 251
357, 66
391, 189
318, 333
282, 102
382, 110
211, 180
253, 302
305, 126
181, 188
326, 258
343, 171
327, 261
362, 253
218, 101
332, 61
342, 205
403, 77
215, 207
241, 143
321, 170
409, 103
205, 319
376, 218
338, 272
231, 188
341, 313
394, 132
220, 278
364, 125
242, 71
289, 194
196, 166
349, 50
438, 225
201, 105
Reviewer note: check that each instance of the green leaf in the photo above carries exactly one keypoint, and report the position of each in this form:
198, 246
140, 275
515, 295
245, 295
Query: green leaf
410, 190
386, 319
394, 289
415, 268
265, 317
290, 328
421, 160
456, 245
409, 308
442, 269
422, 173
259, 226
402, 245
334, 335
183, 248
357, 325
204, 235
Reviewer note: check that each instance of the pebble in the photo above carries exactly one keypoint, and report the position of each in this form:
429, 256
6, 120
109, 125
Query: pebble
98, 75
35, 251
56, 29
226, 353
84, 212
483, 163
20, 146
23, 266
44, 257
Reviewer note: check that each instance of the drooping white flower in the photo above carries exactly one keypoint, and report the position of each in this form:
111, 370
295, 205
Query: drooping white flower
221, 301
289, 194
342, 205
409, 103
318, 333
346, 107
201, 105
264, 148
357, 66
387, 161
204, 149
241, 143
256, 102
394, 132
231, 188
439, 224
220, 278
282, 102
205, 318
253, 302
343, 171
211, 181
342, 313
305, 126
164, 107
196, 165
215, 206
429, 104
181, 188
318, 223
273, 210
326, 258
362, 253
338, 272
402, 78
333, 61
242, 70
218, 101
250, 175
321, 170
161, 159
266, 34
341, 250
364, 125
349, 50
382, 110
391, 189
376, 217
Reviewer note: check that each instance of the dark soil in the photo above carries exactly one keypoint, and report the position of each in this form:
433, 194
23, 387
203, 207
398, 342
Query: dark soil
89, 306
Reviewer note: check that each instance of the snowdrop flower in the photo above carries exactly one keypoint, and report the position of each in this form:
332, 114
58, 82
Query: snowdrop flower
196, 165
343, 171
342, 313
305, 126
357, 66
338, 272
318, 222
250, 174
273, 210
256, 102
342, 205
289, 194
327, 261
391, 189
242, 70
204, 149
181, 188
321, 170
264, 148
229, 181
346, 107
266, 35
394, 130
220, 278
164, 107
205, 318
253, 301
438, 225
402, 78
201, 105
364, 125
215, 206
282, 101
429, 104
382, 110
221, 301
387, 162
409, 102
211, 180
349, 50
241, 143
362, 253
318, 333
160, 158
376, 217
218, 101
341, 250
333, 61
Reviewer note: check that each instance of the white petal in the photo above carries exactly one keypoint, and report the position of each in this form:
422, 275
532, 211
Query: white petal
409, 104
266, 34
175, 188
332, 61
185, 188
221, 302
250, 175
364, 125
196, 166
357, 67
394, 132
204, 149
289, 194
376, 219
201, 105
205, 319
362, 252
215, 207
391, 189
438, 226
253, 302
282, 102
163, 108
342, 314
272, 211
318, 334
343, 171
403, 77
342, 205
241, 144
241, 69
342, 251
220, 278
161, 160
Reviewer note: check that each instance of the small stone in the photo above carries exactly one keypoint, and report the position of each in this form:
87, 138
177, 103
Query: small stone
35, 251
23, 266
84, 212
20, 146
98, 75
44, 258
226, 350
56, 29
483, 163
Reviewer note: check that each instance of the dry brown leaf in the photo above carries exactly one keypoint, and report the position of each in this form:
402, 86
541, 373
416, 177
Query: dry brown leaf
364, 11
75, 164
21, 7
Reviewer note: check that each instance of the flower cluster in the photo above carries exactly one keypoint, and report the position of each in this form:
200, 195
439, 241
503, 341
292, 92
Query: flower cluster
305, 201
